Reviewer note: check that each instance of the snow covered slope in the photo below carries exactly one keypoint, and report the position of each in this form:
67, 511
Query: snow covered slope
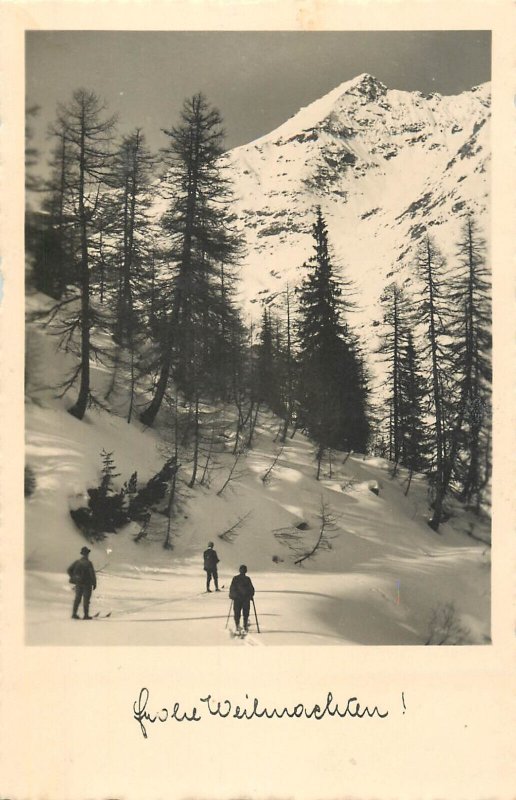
377, 580
384, 165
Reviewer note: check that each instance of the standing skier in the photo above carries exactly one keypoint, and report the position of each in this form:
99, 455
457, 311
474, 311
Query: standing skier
241, 593
211, 560
82, 575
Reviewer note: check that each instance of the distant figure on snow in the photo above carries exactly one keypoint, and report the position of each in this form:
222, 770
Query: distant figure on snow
211, 560
241, 593
82, 575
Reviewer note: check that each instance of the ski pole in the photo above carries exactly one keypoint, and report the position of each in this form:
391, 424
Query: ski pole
229, 613
255, 616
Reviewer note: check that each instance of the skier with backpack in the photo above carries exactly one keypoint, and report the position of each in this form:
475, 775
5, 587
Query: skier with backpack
82, 576
241, 592
211, 560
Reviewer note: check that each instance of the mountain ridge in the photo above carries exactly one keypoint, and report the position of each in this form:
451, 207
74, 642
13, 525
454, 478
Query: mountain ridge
385, 165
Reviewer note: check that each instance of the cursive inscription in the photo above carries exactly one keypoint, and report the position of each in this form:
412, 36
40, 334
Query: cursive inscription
250, 709
163, 715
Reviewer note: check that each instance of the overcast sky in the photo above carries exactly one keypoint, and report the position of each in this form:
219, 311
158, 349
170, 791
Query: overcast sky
256, 79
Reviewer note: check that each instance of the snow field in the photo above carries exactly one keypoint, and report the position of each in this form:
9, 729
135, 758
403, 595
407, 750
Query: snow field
385, 572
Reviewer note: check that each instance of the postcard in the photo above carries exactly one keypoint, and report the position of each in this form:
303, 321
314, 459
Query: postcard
256, 356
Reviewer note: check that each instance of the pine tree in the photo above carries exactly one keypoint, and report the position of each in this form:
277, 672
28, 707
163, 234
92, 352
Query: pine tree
243, 382
396, 323
54, 263
414, 445
107, 508
430, 269
108, 471
469, 330
128, 261
331, 385
267, 372
86, 137
288, 370
133, 170
200, 233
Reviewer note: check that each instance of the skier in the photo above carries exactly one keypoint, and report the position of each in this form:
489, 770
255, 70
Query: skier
211, 560
241, 593
82, 575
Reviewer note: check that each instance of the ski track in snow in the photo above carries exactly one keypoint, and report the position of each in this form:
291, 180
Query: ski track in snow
352, 600
377, 584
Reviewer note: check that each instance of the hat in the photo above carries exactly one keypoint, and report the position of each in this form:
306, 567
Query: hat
210, 544
242, 568
85, 551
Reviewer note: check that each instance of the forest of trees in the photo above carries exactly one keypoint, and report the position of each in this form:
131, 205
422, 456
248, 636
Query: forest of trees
140, 253
437, 346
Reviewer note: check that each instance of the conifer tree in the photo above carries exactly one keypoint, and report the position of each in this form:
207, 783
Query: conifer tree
133, 169
55, 264
331, 397
268, 373
86, 136
430, 269
200, 234
414, 445
285, 364
470, 346
131, 251
395, 320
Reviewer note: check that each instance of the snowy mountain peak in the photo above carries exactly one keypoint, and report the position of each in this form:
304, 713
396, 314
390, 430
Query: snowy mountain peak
367, 85
385, 165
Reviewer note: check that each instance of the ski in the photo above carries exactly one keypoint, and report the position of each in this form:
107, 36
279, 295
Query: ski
239, 633
98, 615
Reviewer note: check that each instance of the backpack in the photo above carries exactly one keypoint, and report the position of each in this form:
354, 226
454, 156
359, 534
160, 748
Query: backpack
71, 573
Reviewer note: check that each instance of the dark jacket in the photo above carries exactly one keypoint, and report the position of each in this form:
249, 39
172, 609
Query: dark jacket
82, 573
241, 588
211, 559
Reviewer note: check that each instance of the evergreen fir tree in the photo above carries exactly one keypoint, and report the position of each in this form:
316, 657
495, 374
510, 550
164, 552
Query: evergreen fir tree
55, 247
470, 334
396, 322
133, 171
82, 178
106, 508
430, 269
267, 373
131, 258
108, 471
331, 386
414, 445
200, 233
287, 370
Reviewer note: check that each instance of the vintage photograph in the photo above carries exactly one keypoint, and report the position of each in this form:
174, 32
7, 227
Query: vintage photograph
258, 338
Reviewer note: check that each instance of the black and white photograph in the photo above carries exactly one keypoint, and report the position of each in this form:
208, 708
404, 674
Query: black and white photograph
256, 381
258, 338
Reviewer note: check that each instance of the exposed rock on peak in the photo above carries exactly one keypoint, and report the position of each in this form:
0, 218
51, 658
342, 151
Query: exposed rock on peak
369, 86
386, 166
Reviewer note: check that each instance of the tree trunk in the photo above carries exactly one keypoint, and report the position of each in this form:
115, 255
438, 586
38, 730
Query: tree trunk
131, 395
171, 497
79, 408
320, 453
196, 444
148, 416
436, 389
253, 421
411, 472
